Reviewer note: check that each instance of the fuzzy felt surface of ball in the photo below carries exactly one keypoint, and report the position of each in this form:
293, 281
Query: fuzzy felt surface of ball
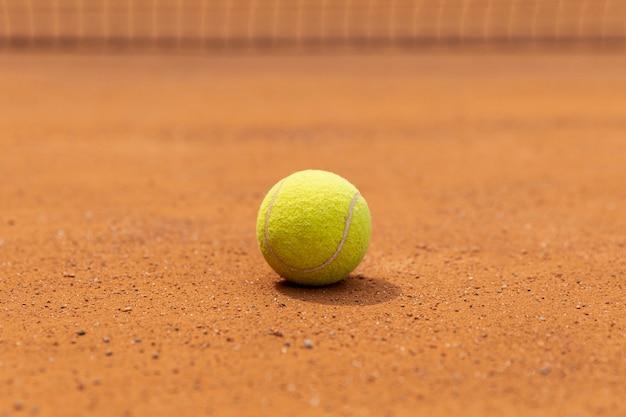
313, 227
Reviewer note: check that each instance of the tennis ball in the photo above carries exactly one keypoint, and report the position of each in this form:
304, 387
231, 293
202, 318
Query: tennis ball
313, 227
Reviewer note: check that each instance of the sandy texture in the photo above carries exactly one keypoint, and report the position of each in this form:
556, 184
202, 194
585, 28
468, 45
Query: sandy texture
131, 283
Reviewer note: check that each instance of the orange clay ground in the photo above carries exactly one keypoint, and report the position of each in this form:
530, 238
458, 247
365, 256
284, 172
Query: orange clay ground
131, 283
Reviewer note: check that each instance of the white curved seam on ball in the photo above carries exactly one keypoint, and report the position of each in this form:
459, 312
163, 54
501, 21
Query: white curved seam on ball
332, 258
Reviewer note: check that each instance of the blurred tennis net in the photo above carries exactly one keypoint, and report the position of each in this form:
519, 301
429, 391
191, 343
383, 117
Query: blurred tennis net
259, 25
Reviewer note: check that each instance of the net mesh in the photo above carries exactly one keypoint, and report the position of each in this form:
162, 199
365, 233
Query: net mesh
308, 24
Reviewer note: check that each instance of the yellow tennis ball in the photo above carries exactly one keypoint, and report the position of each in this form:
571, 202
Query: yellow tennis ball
313, 227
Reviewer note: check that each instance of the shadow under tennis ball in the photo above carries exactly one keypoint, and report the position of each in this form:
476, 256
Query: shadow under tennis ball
354, 290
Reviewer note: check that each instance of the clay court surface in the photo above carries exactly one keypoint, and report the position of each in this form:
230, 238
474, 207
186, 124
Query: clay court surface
131, 283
